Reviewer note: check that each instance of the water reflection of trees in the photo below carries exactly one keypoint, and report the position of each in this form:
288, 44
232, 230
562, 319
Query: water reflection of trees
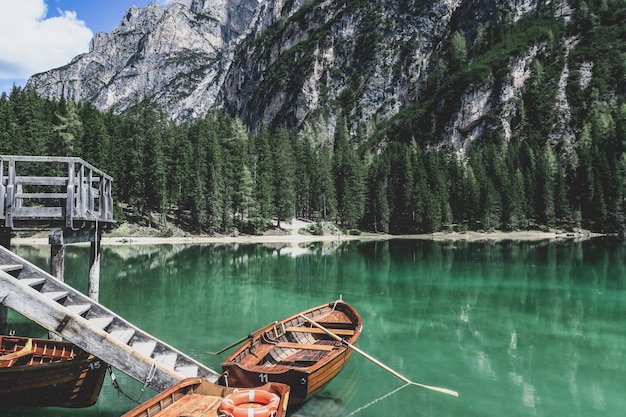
503, 311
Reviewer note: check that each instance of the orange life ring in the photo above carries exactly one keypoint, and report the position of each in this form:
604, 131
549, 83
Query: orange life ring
260, 404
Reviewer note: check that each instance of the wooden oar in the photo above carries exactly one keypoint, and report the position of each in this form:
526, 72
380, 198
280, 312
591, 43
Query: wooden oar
377, 362
238, 342
232, 345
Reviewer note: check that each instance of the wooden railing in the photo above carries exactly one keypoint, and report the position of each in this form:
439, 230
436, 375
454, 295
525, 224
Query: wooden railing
42, 192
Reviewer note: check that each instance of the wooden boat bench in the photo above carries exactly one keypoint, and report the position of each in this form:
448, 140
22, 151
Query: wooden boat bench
302, 356
315, 330
305, 346
192, 405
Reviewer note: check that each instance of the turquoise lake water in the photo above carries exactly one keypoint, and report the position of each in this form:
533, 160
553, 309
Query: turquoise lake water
517, 328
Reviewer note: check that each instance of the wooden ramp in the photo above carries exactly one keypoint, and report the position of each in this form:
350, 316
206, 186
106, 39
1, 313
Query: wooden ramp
60, 308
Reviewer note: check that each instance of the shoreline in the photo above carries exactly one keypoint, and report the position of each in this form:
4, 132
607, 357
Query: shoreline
294, 238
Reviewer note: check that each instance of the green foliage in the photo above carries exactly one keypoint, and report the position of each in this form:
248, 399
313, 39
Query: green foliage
284, 176
215, 175
348, 175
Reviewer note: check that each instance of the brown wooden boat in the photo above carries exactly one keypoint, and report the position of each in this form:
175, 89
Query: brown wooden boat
197, 397
295, 352
48, 373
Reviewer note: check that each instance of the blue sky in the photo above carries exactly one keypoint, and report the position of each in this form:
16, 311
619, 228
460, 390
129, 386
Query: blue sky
38, 35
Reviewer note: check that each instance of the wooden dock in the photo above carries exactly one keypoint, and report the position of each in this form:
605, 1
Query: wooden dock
56, 306
73, 201
45, 192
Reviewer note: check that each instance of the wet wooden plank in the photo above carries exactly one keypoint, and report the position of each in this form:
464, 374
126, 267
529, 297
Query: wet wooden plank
315, 330
304, 346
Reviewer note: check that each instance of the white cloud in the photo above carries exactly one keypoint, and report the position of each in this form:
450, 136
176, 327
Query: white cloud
32, 43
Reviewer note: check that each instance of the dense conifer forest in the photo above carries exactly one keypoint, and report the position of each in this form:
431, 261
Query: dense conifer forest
214, 174
397, 176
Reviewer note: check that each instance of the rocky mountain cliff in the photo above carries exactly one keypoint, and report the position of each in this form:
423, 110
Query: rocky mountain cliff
295, 62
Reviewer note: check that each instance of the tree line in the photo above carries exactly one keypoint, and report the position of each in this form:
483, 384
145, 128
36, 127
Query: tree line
213, 174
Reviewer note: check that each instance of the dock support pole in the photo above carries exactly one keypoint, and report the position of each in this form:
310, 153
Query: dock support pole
4, 324
5, 237
57, 254
5, 240
94, 268
57, 262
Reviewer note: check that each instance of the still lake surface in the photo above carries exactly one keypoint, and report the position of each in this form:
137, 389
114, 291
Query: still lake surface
517, 328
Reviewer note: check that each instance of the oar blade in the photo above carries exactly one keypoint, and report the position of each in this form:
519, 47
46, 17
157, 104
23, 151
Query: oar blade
438, 389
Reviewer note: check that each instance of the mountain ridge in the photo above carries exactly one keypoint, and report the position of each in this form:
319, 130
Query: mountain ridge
458, 69
366, 59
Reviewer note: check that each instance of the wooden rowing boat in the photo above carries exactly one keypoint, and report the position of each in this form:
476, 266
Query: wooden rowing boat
295, 352
48, 373
197, 397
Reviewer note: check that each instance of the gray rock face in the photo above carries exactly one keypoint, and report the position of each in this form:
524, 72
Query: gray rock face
172, 56
291, 62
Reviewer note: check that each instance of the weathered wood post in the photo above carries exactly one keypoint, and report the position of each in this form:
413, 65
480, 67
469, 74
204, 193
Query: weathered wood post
5, 240
5, 237
57, 262
57, 253
94, 267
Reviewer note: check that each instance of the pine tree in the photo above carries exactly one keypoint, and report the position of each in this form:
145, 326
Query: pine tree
233, 138
284, 173
69, 129
546, 184
400, 190
471, 198
245, 195
262, 165
349, 180
378, 213
95, 144
8, 126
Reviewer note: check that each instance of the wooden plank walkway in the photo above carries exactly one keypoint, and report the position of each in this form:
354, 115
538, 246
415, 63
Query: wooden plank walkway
75, 317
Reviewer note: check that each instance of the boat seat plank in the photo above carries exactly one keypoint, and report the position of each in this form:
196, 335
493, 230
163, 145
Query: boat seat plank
301, 356
336, 324
315, 330
179, 407
206, 406
304, 346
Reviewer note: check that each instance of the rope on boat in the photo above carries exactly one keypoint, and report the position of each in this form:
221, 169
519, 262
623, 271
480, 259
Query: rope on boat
119, 389
368, 405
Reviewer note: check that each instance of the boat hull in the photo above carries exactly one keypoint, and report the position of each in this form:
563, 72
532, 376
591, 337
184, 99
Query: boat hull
198, 396
71, 379
303, 383
292, 353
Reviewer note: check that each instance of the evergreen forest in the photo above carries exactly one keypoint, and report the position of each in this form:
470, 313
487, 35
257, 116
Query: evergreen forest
213, 174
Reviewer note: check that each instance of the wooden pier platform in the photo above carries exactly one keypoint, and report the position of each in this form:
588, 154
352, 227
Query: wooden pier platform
45, 192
